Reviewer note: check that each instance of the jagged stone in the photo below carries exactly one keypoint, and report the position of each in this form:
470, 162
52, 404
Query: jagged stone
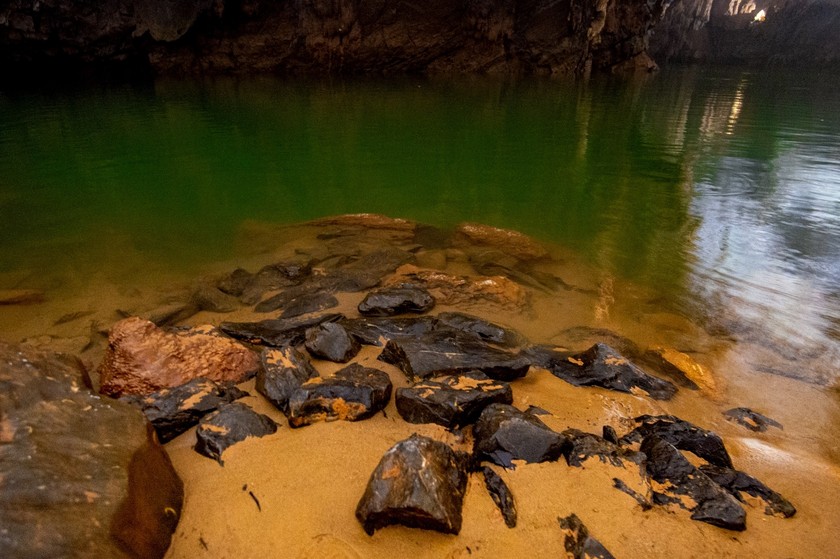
451, 401
418, 483
390, 301
677, 477
230, 424
276, 332
331, 341
310, 303
283, 371
487, 331
377, 331
750, 419
738, 483
683, 435
583, 446
501, 495
352, 394
609, 434
577, 541
503, 434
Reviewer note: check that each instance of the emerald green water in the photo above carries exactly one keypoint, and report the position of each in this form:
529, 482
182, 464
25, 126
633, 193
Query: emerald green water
714, 188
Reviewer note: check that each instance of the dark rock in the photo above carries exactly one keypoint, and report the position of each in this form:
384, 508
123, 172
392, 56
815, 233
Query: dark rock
390, 301
350, 281
283, 371
332, 342
312, 296
657, 359
276, 332
708, 501
534, 410
382, 262
609, 434
577, 541
449, 351
503, 433
451, 401
169, 314
583, 446
587, 336
82, 476
372, 331
481, 328
208, 298
172, 411
418, 483
274, 276
639, 498
235, 283
602, 366
352, 394
738, 483
229, 425
750, 419
501, 495
683, 435
310, 303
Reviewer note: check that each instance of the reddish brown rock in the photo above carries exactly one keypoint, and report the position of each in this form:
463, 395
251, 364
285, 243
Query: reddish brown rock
142, 358
510, 242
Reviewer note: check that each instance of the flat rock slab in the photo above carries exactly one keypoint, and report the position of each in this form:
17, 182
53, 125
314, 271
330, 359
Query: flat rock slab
142, 358
352, 394
679, 482
230, 424
283, 371
583, 446
578, 542
503, 434
602, 366
446, 351
276, 332
453, 400
82, 475
297, 301
331, 341
377, 331
172, 411
750, 419
483, 329
683, 435
420, 483
738, 484
501, 495
390, 301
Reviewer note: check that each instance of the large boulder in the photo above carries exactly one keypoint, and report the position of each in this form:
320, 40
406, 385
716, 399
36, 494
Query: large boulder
142, 358
80, 475
503, 434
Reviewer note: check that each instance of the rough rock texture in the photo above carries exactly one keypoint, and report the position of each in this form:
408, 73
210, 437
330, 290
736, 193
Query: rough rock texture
390, 301
283, 371
75, 465
513, 243
501, 495
750, 419
577, 541
739, 483
583, 446
418, 483
683, 435
503, 433
331, 341
142, 358
230, 424
276, 332
545, 37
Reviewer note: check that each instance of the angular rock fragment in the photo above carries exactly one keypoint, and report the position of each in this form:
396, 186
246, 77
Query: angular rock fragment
277, 332
229, 425
448, 351
683, 435
483, 329
609, 434
372, 331
501, 495
331, 341
602, 366
418, 483
451, 401
577, 541
390, 301
583, 446
142, 358
283, 371
503, 434
677, 478
172, 411
352, 394
750, 419
738, 483
274, 276
296, 302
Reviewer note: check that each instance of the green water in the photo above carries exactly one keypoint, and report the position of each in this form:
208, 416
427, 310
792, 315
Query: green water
707, 186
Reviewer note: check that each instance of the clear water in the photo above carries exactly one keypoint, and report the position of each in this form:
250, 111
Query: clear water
719, 190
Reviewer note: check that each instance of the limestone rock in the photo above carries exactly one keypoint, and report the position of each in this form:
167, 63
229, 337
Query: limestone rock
283, 371
390, 301
683, 435
503, 433
331, 341
501, 495
230, 424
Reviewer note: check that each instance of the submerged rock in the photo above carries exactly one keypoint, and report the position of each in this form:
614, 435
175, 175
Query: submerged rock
235, 283
209, 298
510, 242
501, 495
682, 368
274, 276
331, 341
230, 424
418, 483
142, 358
390, 301
503, 434
298, 301
583, 446
577, 541
451, 401
683, 435
738, 483
483, 329
21, 296
276, 332
352, 394
283, 371
377, 331
676, 478
750, 419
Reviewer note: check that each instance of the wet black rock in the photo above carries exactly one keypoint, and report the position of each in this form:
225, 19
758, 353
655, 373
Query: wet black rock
503, 434
609, 434
449, 351
602, 366
418, 483
229, 425
583, 446
483, 329
352, 394
331, 341
274, 276
372, 331
683, 435
501, 495
677, 477
390, 301
451, 401
283, 371
297, 301
577, 541
276, 332
638, 497
750, 419
738, 483
172, 411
